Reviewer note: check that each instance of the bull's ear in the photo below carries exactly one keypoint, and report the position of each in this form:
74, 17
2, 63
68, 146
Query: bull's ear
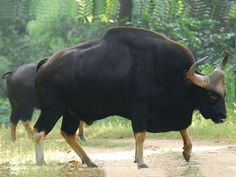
41, 63
223, 62
7, 74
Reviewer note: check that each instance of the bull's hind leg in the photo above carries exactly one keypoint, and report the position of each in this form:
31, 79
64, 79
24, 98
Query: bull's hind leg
187, 144
135, 156
28, 128
14, 119
81, 131
139, 122
139, 129
13, 132
26, 119
68, 130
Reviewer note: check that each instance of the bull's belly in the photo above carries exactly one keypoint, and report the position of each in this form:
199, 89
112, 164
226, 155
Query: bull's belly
166, 124
90, 115
158, 121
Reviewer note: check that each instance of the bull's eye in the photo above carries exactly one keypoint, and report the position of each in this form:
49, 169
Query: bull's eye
213, 96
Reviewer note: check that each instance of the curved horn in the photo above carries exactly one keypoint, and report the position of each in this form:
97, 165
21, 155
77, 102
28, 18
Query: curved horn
223, 62
196, 64
201, 81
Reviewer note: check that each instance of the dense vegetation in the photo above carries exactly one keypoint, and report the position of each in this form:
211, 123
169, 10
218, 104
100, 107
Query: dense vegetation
31, 30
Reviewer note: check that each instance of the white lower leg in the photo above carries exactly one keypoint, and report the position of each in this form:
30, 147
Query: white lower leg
39, 142
139, 138
140, 160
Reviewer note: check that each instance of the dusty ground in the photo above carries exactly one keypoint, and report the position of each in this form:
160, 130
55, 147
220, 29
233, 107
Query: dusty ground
164, 157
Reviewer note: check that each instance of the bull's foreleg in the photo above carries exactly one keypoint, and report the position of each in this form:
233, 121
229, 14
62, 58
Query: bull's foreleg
139, 140
71, 140
39, 138
187, 144
70, 124
81, 131
28, 128
42, 127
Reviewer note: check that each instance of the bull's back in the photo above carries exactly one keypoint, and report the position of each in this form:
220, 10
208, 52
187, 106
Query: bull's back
90, 79
20, 85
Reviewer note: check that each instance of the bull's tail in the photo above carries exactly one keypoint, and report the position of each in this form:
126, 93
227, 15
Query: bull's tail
7, 74
41, 63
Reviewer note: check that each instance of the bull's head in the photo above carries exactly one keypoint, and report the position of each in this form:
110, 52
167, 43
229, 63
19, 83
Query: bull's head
211, 101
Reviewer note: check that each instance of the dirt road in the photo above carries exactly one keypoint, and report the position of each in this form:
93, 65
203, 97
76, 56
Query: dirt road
164, 157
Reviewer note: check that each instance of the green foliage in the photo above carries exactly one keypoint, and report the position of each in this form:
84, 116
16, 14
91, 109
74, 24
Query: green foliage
109, 11
197, 24
86, 10
31, 30
232, 11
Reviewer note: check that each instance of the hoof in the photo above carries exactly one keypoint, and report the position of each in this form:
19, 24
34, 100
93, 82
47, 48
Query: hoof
186, 156
142, 166
93, 165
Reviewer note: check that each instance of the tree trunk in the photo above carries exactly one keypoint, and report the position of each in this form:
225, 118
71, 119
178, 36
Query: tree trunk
125, 13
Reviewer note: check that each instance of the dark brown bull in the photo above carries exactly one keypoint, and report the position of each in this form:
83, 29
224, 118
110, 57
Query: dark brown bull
22, 97
135, 73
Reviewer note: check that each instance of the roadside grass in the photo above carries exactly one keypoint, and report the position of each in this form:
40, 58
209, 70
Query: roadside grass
116, 127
